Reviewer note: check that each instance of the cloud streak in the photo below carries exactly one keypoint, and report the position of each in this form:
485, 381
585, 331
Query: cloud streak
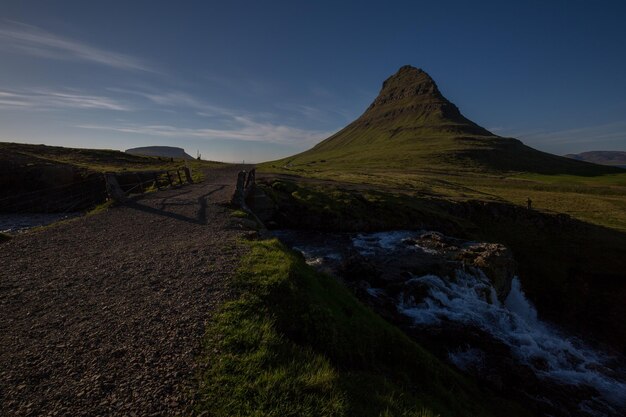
587, 134
34, 41
597, 137
246, 130
45, 99
179, 99
234, 125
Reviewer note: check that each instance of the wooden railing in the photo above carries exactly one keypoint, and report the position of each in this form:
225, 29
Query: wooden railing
121, 185
246, 180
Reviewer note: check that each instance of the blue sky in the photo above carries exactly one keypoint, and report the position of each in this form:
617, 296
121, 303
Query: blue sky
260, 80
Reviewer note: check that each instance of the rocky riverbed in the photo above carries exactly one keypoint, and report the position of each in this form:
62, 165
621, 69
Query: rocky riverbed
463, 301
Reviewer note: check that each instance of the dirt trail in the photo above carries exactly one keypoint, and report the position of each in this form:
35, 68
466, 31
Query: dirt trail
104, 315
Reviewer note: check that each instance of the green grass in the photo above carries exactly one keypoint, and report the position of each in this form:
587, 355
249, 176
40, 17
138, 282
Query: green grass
101, 208
343, 208
239, 214
618, 179
294, 342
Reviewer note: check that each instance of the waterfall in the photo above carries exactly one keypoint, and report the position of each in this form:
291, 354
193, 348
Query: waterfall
468, 299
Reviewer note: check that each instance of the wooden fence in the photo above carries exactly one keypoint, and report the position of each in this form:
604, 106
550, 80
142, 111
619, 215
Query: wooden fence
246, 181
121, 185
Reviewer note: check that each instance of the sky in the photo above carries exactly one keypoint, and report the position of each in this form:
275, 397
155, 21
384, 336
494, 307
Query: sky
259, 80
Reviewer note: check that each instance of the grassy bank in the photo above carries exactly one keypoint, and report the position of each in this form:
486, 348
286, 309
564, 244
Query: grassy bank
297, 343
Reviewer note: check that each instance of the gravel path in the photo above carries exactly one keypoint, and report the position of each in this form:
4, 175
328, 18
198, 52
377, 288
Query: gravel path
104, 315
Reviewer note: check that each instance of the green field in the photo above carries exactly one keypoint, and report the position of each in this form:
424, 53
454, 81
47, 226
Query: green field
600, 200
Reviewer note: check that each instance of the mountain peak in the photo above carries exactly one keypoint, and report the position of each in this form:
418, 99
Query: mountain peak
408, 76
410, 98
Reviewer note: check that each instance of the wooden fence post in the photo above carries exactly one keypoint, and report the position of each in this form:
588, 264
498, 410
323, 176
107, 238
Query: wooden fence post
188, 175
113, 187
169, 178
180, 179
237, 199
140, 183
251, 178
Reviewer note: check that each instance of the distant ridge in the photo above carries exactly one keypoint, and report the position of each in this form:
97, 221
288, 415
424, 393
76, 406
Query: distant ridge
162, 151
411, 125
611, 158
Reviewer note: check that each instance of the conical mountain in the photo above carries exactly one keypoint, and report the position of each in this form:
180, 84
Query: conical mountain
411, 125
410, 100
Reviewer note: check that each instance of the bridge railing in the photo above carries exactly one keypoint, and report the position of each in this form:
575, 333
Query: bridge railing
246, 181
122, 185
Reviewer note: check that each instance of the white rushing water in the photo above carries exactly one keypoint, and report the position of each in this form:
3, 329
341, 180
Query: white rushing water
471, 300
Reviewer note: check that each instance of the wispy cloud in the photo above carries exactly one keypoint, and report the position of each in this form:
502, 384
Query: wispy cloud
45, 99
178, 99
34, 41
596, 137
587, 134
246, 129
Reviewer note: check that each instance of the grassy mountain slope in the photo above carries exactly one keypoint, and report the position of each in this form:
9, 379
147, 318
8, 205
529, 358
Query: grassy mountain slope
412, 125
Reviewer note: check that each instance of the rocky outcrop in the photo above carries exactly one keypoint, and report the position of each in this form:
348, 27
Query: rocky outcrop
430, 253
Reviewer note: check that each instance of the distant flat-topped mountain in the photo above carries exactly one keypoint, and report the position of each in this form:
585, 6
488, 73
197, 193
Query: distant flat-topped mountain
411, 125
163, 151
612, 158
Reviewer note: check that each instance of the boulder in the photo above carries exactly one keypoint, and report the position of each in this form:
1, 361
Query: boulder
494, 260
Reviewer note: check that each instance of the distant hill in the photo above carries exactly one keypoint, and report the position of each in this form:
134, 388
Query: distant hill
611, 158
411, 125
163, 151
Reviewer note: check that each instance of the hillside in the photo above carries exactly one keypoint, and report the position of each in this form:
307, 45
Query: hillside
412, 125
27, 168
162, 151
612, 158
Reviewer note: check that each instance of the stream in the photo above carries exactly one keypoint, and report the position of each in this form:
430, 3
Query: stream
15, 223
573, 378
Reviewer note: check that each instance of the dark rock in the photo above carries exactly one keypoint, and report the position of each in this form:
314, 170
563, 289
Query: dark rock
495, 260
357, 268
